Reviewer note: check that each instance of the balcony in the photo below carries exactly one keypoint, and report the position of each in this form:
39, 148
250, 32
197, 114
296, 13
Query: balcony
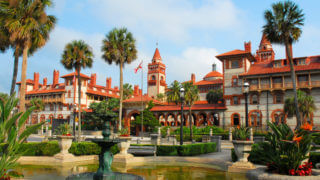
162, 83
152, 82
48, 100
303, 84
277, 85
315, 83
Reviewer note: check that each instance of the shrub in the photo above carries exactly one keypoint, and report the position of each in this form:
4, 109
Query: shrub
314, 158
234, 157
195, 149
241, 133
164, 130
84, 148
167, 150
63, 129
186, 137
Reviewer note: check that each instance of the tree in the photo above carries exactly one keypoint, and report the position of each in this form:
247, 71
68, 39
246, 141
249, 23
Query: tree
119, 47
27, 25
214, 96
39, 106
127, 91
149, 120
10, 125
283, 26
160, 97
101, 111
306, 106
173, 93
191, 96
77, 55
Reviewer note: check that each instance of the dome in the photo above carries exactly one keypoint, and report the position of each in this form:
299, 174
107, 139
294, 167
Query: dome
213, 74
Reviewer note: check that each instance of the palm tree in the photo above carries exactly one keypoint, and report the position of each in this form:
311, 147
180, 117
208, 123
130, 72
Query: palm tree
127, 91
214, 96
306, 105
173, 93
283, 26
77, 55
27, 25
39, 106
191, 96
160, 97
119, 47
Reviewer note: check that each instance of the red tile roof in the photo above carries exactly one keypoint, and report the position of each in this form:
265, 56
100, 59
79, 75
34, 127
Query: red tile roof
237, 52
213, 74
28, 81
145, 98
89, 91
194, 107
44, 91
156, 55
204, 82
75, 74
267, 67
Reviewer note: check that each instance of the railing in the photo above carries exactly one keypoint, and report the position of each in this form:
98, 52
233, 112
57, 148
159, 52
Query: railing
315, 83
162, 83
152, 82
265, 86
277, 85
254, 87
303, 84
288, 85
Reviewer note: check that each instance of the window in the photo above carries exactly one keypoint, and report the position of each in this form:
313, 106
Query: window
278, 117
51, 107
235, 64
302, 78
235, 82
277, 64
254, 99
161, 78
236, 100
69, 94
236, 120
153, 77
278, 98
301, 61
277, 80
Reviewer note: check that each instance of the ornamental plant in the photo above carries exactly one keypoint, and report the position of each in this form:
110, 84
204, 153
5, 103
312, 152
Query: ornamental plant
287, 149
241, 133
64, 129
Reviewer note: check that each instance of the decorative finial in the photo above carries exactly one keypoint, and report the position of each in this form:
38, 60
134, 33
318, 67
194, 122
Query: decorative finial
157, 44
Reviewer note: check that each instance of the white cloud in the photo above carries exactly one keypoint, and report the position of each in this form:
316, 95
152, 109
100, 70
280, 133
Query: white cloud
172, 20
196, 60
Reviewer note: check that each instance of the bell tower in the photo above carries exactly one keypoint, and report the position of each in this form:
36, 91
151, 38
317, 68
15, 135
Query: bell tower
156, 75
265, 52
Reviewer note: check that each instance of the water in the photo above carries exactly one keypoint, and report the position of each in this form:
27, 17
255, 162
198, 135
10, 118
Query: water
150, 171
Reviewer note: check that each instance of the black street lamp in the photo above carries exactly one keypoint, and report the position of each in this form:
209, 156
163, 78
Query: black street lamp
181, 116
246, 91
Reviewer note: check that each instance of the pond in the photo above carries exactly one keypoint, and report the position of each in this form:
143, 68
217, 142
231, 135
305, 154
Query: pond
150, 171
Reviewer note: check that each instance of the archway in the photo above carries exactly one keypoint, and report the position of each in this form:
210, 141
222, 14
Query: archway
179, 119
133, 128
162, 120
42, 118
255, 118
202, 119
214, 119
278, 117
193, 119
171, 120
235, 119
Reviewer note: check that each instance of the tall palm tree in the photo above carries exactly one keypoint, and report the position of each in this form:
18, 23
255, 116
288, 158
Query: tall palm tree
28, 25
119, 47
127, 91
77, 55
191, 96
173, 93
306, 106
283, 26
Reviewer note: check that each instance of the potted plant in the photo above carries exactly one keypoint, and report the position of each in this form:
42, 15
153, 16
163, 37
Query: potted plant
124, 132
64, 139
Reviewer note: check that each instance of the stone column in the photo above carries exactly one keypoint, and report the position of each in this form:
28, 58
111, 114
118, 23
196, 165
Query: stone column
217, 140
230, 134
251, 134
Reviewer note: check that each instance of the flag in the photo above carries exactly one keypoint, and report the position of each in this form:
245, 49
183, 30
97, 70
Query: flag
139, 67
74, 78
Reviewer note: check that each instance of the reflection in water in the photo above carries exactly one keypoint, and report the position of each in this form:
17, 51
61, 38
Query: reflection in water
173, 171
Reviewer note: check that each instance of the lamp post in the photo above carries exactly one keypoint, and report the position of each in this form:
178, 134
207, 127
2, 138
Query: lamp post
181, 116
246, 90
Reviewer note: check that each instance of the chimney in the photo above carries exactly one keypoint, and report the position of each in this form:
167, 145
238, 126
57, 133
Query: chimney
44, 82
108, 82
140, 92
214, 67
135, 90
193, 78
247, 46
116, 88
55, 78
93, 79
35, 81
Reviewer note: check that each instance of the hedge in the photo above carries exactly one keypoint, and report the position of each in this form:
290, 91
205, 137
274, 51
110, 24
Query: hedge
314, 158
52, 147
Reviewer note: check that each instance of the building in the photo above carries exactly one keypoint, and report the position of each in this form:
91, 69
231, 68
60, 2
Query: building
60, 98
269, 79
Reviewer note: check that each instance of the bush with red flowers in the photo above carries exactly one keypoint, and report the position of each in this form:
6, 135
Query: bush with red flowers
303, 170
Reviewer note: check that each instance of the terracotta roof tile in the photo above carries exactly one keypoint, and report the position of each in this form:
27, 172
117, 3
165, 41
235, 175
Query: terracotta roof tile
44, 91
156, 55
89, 91
234, 52
204, 82
145, 98
75, 73
194, 107
213, 74
28, 81
267, 67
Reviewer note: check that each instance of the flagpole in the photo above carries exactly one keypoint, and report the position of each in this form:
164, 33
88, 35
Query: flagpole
141, 99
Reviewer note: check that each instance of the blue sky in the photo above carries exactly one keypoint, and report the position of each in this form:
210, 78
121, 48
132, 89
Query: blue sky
189, 33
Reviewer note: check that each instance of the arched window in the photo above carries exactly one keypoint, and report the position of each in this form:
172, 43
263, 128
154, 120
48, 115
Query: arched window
153, 77
278, 117
69, 94
254, 99
235, 119
161, 78
255, 118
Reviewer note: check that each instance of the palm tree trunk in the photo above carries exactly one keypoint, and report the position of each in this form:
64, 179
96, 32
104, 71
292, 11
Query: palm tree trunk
121, 95
23, 79
294, 85
15, 70
79, 105
190, 123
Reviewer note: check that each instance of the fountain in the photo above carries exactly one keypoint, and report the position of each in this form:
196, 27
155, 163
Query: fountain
104, 171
